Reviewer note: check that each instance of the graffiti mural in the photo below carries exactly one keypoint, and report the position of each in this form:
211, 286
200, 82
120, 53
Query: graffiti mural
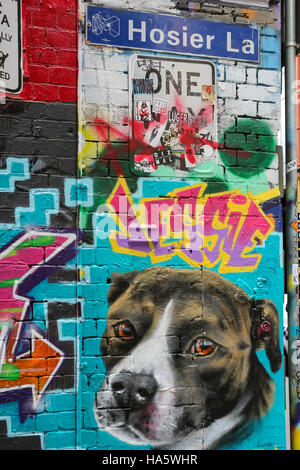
184, 222
28, 359
202, 231
205, 331
141, 237
39, 241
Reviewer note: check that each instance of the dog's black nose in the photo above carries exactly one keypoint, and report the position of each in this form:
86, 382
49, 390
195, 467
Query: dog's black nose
133, 391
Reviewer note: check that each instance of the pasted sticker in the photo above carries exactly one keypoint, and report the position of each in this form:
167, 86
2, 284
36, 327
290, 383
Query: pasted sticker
209, 94
142, 86
160, 106
143, 111
291, 166
144, 163
176, 124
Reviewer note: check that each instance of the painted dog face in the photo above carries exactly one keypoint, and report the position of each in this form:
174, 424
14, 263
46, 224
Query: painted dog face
179, 349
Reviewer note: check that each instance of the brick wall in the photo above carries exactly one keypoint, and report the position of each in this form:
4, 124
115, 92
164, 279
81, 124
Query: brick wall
50, 51
38, 140
66, 148
248, 129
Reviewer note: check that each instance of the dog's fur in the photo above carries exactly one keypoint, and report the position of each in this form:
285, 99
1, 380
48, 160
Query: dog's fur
158, 391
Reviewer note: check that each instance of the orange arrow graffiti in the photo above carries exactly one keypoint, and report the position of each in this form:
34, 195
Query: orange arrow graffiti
37, 367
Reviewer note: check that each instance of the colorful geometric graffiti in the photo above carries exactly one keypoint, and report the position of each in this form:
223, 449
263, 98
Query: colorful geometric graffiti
170, 194
182, 156
28, 359
221, 213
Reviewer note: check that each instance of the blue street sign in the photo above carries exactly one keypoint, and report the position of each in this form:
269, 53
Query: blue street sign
173, 34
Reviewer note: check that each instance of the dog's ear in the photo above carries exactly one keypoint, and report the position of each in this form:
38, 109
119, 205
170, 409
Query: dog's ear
265, 330
119, 283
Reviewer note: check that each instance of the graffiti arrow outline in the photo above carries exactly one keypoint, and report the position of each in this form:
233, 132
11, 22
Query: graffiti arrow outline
60, 249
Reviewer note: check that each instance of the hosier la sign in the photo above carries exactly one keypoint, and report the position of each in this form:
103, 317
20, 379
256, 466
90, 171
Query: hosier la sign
173, 34
204, 230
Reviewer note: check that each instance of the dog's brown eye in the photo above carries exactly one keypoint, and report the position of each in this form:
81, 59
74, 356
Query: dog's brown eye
202, 347
124, 331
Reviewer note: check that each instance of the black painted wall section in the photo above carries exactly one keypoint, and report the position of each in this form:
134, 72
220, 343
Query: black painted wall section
30, 442
46, 134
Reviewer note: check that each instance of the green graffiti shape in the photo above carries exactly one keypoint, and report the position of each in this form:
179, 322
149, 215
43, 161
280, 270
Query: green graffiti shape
35, 242
249, 147
9, 372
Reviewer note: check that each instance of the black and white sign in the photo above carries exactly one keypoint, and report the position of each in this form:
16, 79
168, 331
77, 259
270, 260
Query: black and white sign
10, 46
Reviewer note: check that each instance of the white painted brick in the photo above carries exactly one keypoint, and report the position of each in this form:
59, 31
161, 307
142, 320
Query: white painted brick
89, 112
220, 106
90, 77
93, 59
118, 115
96, 96
221, 72
268, 77
116, 61
118, 98
252, 76
268, 110
236, 74
112, 80
103, 112
273, 178
274, 124
226, 90
275, 163
257, 93
241, 108
224, 122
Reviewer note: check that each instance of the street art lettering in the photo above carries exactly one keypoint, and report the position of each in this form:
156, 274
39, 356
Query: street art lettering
28, 359
217, 229
142, 86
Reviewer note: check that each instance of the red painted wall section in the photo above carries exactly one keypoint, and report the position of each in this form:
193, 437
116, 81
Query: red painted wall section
49, 50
